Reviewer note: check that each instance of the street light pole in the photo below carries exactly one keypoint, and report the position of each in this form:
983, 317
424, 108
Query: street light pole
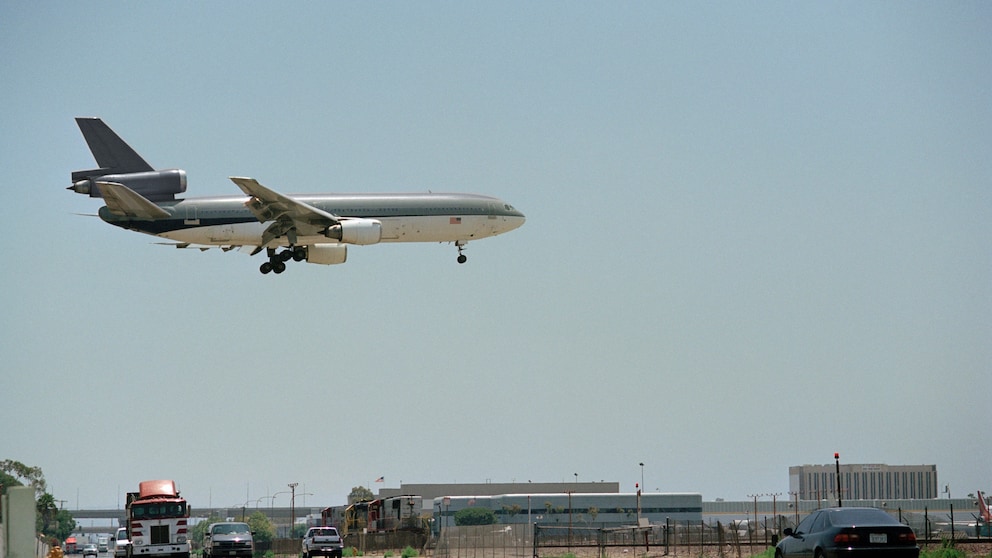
837, 462
639, 489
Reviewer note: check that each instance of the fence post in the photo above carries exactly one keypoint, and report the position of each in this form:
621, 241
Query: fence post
668, 530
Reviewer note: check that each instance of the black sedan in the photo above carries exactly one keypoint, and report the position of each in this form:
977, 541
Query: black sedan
848, 533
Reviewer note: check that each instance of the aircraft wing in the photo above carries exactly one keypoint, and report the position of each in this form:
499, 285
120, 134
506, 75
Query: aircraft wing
290, 217
124, 201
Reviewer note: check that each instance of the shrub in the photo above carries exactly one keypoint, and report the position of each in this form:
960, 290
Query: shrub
475, 516
946, 550
767, 553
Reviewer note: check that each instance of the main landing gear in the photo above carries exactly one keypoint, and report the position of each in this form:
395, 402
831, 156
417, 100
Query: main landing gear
460, 244
277, 261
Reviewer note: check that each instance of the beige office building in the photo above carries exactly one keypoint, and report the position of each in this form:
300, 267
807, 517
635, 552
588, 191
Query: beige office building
864, 482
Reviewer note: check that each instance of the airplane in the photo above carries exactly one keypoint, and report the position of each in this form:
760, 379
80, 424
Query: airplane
316, 228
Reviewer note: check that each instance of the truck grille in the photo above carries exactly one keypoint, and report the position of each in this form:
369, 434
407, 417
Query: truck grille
160, 534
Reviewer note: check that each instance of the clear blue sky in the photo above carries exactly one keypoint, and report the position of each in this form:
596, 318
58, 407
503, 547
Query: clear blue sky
758, 233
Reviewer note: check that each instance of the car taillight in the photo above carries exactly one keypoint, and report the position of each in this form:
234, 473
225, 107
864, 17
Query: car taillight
846, 538
907, 537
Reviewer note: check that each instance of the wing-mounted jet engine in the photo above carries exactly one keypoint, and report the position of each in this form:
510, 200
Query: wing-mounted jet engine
119, 164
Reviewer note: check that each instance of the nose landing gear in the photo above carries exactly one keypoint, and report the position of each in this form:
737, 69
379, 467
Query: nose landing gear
460, 244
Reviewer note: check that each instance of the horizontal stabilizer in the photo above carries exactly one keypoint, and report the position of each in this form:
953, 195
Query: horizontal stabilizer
125, 202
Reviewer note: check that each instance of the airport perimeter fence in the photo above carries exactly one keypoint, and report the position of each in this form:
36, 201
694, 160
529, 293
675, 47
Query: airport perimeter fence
546, 541
686, 538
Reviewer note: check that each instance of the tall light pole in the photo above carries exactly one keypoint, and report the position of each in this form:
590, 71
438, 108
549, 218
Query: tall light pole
639, 494
837, 462
292, 507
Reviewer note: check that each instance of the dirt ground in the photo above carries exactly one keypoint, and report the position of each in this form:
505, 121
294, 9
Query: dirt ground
972, 550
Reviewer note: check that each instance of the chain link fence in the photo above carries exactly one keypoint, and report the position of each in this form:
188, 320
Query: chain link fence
547, 541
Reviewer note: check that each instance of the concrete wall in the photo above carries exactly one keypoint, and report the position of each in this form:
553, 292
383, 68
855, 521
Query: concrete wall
19, 523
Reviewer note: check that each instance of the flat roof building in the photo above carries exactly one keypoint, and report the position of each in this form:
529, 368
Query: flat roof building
431, 491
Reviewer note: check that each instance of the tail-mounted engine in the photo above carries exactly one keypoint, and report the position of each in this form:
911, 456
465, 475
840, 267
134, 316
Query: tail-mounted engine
154, 185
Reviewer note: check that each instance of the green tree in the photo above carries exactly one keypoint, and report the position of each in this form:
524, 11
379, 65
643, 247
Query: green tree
50, 520
65, 525
360, 494
15, 473
475, 516
46, 512
261, 528
200, 529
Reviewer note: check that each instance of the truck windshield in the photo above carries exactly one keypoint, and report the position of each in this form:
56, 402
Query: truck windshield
158, 511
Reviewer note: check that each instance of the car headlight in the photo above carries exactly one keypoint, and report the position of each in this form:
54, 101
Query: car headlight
181, 538
139, 541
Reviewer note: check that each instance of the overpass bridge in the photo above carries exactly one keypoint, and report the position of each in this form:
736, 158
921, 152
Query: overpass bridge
108, 520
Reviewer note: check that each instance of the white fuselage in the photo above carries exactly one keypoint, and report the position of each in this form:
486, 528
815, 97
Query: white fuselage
404, 217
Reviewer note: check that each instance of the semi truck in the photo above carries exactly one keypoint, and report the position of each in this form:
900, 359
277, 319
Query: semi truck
158, 521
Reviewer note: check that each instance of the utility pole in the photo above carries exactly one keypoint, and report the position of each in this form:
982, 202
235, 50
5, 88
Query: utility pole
292, 507
778, 526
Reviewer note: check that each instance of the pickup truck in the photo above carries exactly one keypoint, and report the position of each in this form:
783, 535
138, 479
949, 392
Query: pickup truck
228, 538
322, 541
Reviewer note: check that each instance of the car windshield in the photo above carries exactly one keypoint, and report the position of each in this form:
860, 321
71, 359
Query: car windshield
853, 516
230, 529
122, 535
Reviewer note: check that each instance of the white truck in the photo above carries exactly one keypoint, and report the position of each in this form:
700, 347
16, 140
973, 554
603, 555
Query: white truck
228, 538
322, 541
158, 521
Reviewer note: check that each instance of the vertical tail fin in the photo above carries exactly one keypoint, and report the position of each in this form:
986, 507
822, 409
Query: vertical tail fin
112, 153
121, 165
986, 515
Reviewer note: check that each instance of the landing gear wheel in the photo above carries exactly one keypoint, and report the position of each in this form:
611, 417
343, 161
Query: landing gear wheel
279, 267
299, 254
285, 255
265, 268
462, 258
